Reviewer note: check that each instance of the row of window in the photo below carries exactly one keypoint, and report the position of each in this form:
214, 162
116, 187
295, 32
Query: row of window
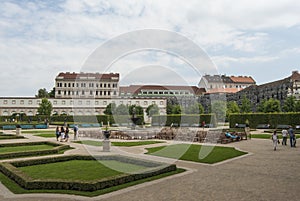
228, 86
22, 102
165, 92
88, 102
83, 93
84, 85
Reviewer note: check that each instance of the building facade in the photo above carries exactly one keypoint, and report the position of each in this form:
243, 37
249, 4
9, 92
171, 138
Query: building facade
86, 85
225, 84
69, 106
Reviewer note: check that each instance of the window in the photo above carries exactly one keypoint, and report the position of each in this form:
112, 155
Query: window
104, 103
155, 92
69, 85
54, 102
153, 102
100, 93
13, 101
108, 85
104, 93
161, 102
104, 85
108, 93
73, 85
96, 93
22, 102
65, 92
82, 92
115, 93
30, 102
65, 84
63, 102
101, 85
91, 93
96, 102
145, 103
38, 101
58, 92
5, 102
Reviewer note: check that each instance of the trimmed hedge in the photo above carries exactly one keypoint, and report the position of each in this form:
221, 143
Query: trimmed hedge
273, 119
11, 170
10, 136
180, 119
57, 148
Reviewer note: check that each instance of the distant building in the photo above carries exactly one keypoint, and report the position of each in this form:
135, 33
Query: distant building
280, 90
86, 85
158, 91
225, 84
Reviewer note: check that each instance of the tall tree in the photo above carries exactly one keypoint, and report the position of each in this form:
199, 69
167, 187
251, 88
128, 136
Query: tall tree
110, 109
272, 105
289, 104
246, 105
52, 93
152, 110
45, 107
176, 109
42, 93
297, 106
137, 109
196, 108
232, 107
121, 110
219, 108
261, 106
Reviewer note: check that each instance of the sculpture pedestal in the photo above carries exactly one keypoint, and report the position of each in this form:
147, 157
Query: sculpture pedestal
18, 131
106, 145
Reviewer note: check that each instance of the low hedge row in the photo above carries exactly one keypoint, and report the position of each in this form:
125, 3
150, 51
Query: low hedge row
273, 119
57, 148
179, 119
11, 170
10, 136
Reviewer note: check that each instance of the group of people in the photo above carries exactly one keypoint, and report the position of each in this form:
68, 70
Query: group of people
285, 133
62, 134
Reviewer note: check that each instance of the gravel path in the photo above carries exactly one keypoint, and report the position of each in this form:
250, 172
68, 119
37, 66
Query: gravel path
262, 175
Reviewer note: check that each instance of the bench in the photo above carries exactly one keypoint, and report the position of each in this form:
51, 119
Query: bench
27, 126
41, 126
240, 126
9, 127
283, 126
263, 126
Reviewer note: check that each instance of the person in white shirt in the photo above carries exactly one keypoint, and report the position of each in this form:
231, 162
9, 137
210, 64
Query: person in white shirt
275, 140
284, 136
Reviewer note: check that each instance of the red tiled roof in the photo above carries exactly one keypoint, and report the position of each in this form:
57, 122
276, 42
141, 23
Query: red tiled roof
226, 90
73, 76
242, 79
133, 89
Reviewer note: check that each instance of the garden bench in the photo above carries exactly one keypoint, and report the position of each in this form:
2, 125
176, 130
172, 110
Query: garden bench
41, 126
240, 126
263, 126
9, 127
27, 126
283, 126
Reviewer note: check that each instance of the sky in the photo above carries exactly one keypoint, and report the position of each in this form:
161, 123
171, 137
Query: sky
39, 39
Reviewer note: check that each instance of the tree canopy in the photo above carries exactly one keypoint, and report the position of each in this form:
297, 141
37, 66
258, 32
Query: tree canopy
152, 110
45, 107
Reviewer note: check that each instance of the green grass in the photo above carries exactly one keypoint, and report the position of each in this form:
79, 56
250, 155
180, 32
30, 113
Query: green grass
8, 137
268, 136
15, 188
24, 148
38, 131
72, 170
124, 144
196, 153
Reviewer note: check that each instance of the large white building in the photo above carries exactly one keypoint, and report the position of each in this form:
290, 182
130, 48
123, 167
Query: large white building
79, 94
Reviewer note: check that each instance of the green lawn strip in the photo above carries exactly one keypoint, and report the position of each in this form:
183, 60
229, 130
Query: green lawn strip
25, 148
72, 170
268, 136
124, 144
15, 188
8, 137
196, 153
38, 131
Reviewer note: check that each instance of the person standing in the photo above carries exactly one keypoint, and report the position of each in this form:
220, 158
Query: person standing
57, 133
275, 140
284, 136
67, 134
62, 133
75, 132
292, 136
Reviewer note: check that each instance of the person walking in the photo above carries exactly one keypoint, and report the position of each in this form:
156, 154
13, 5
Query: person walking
292, 136
275, 140
67, 134
284, 136
62, 133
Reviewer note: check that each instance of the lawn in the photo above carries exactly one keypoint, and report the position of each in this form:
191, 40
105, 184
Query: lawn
15, 188
46, 135
25, 148
196, 153
9, 136
268, 136
124, 144
38, 132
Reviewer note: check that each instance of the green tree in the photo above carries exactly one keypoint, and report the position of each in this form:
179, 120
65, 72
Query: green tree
110, 109
232, 107
289, 104
121, 110
152, 110
42, 93
246, 105
196, 108
176, 109
138, 110
219, 108
261, 106
52, 93
45, 107
297, 106
272, 105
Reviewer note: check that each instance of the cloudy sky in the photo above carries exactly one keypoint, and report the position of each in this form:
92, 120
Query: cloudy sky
39, 39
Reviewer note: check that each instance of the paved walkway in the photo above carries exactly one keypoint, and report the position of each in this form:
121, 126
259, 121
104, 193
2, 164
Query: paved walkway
262, 175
